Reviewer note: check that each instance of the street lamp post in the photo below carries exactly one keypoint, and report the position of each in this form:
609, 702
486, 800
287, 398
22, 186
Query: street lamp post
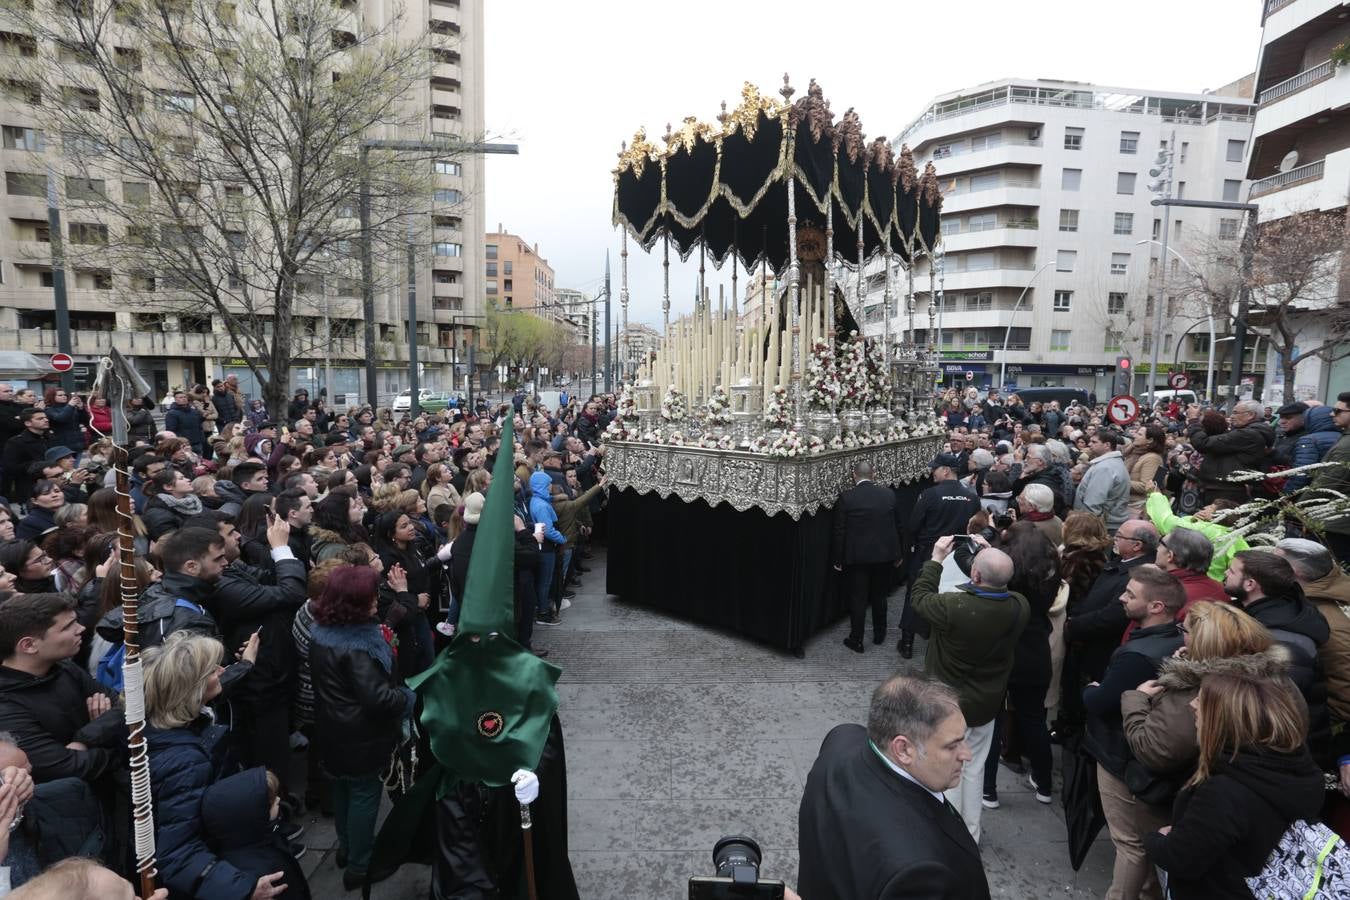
1209, 315
1007, 331
367, 251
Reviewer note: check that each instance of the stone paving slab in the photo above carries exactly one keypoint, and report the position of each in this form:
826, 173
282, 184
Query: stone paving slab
678, 734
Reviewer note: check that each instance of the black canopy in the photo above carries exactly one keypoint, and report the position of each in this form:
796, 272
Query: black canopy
725, 186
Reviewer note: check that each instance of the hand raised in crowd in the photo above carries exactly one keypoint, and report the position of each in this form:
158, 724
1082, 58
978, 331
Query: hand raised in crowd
278, 532
943, 548
20, 780
397, 578
102, 569
79, 476
9, 808
268, 886
1151, 688
249, 652
97, 704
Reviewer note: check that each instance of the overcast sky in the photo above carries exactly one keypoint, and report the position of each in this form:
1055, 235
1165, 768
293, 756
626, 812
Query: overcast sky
570, 81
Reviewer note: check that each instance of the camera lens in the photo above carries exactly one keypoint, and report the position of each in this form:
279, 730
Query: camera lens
736, 851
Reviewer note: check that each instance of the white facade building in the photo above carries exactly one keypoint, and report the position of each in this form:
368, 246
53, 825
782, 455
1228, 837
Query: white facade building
1300, 156
1046, 224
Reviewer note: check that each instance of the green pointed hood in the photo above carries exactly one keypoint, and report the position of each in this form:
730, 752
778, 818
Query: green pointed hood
486, 701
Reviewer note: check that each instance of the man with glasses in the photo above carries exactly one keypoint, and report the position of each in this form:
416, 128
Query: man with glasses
1337, 478
1244, 447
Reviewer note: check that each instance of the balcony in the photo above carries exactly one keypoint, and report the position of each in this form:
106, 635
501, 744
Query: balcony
1009, 193
961, 159
1303, 79
1285, 180
1006, 234
1014, 275
133, 343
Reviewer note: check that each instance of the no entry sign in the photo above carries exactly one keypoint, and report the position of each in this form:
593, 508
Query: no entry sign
1122, 410
1178, 381
62, 362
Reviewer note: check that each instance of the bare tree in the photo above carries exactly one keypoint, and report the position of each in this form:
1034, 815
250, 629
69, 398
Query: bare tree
236, 131
1296, 300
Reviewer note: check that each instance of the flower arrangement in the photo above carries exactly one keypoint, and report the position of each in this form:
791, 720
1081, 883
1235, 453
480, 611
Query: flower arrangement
624, 425
725, 442
719, 407
821, 379
775, 409
878, 374
674, 407
854, 389
790, 444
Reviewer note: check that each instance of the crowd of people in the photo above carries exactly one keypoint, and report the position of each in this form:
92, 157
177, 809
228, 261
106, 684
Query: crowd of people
295, 570
1087, 585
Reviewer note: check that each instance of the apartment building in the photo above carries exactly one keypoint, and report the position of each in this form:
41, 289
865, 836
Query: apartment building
516, 276
1047, 227
635, 346
111, 309
1300, 152
578, 313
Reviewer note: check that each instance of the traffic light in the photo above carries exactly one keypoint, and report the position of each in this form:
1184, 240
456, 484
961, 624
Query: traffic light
1161, 173
1124, 375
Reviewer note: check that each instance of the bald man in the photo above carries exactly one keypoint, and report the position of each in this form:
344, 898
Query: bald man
974, 633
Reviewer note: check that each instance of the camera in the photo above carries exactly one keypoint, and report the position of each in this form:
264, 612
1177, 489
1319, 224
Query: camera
736, 860
1003, 522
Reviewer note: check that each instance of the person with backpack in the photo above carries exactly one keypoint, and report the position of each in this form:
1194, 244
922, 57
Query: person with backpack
1254, 780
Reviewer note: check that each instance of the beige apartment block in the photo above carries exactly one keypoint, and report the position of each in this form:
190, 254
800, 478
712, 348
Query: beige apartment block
111, 309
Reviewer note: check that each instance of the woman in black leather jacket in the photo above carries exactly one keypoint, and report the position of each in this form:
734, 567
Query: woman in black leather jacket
359, 707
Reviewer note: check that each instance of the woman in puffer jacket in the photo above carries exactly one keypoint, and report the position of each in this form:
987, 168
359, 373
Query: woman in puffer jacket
1158, 717
188, 754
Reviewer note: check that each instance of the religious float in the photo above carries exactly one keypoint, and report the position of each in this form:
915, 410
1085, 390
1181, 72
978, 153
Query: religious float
735, 438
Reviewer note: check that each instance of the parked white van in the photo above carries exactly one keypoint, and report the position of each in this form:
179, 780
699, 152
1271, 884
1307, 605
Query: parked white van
1183, 398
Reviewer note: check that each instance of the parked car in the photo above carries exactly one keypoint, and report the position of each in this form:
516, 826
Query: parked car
425, 400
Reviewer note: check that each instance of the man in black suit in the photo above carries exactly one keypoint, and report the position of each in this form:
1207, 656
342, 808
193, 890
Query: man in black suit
873, 823
867, 549
943, 509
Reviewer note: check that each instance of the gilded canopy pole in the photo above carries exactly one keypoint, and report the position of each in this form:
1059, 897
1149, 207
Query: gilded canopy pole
886, 305
862, 225
623, 302
909, 300
665, 312
933, 336
829, 271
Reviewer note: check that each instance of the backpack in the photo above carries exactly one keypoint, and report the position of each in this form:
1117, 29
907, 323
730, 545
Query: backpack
1311, 862
109, 672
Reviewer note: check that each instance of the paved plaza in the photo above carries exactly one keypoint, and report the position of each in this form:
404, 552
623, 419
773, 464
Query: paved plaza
678, 734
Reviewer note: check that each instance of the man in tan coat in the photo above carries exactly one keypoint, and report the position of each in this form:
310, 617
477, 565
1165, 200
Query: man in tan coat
1328, 588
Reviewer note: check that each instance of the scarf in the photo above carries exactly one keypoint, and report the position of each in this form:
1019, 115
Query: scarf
190, 505
368, 637
1038, 516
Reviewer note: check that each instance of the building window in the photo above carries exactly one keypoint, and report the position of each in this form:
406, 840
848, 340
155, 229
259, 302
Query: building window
446, 167
1073, 139
1200, 343
446, 248
23, 184
981, 301
1063, 301
1120, 263
88, 233
447, 195
491, 270
1115, 303
1146, 343
490, 251
1231, 188
1068, 220
1124, 223
491, 286
1181, 190
1125, 182
1185, 147
507, 284
1236, 150
1070, 179
1228, 229
1059, 340
1111, 342
982, 222
85, 188
1129, 142
951, 225
20, 138
1167, 343
1157, 228
1065, 259
506, 267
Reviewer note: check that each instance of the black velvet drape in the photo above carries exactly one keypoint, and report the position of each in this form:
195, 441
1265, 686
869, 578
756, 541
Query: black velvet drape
765, 577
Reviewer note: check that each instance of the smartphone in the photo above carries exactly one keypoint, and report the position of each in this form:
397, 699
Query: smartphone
271, 517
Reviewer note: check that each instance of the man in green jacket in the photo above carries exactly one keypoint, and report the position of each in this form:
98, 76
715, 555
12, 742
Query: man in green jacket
1337, 478
1226, 544
974, 633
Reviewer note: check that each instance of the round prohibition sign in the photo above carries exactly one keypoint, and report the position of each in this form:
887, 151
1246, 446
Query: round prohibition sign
1122, 410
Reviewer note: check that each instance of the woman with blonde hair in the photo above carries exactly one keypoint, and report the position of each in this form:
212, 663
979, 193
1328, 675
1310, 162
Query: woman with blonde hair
477, 482
187, 752
1254, 778
1159, 722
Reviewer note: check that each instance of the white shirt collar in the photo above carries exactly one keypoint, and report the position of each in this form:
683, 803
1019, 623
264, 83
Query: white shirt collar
905, 775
